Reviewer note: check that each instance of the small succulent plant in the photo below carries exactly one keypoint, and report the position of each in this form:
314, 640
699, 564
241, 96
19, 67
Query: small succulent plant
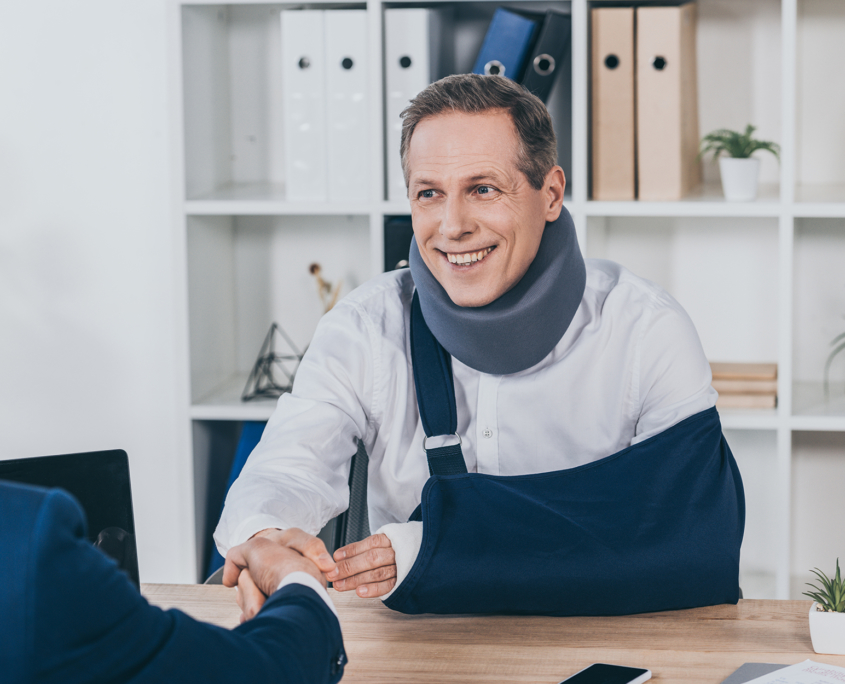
832, 597
735, 144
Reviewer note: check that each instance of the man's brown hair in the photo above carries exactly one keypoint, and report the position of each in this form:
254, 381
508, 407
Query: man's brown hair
474, 94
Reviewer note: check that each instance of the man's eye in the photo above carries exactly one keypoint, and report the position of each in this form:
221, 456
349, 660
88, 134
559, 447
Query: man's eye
484, 189
428, 194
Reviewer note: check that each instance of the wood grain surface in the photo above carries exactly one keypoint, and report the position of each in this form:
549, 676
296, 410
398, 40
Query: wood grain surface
700, 645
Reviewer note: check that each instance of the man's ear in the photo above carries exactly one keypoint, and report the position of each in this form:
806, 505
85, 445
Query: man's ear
553, 190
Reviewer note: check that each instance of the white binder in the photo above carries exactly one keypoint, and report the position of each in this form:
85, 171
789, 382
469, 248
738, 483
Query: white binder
415, 52
347, 104
304, 90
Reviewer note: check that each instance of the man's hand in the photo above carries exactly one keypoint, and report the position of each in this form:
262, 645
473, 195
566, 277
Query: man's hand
259, 565
369, 566
307, 544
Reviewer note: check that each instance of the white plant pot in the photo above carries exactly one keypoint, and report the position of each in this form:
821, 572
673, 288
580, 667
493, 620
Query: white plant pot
827, 631
739, 178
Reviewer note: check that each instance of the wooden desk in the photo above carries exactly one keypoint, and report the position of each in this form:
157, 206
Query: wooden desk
701, 645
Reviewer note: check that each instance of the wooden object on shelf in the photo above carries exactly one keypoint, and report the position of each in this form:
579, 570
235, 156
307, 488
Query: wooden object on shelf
684, 646
747, 401
667, 102
745, 385
612, 70
744, 371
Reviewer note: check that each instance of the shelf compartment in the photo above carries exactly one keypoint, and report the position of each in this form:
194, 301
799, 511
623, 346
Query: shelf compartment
233, 102
820, 101
820, 200
738, 45
245, 272
755, 453
724, 272
739, 79
813, 411
818, 470
818, 317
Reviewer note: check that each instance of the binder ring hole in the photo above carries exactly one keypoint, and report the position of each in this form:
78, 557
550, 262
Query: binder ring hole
611, 61
544, 64
659, 63
347, 63
460, 441
404, 61
304, 63
494, 68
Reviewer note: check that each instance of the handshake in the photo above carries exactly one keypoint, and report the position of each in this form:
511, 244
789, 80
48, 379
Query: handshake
258, 566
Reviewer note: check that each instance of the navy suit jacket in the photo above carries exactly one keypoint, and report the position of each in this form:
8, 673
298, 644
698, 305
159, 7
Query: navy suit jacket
67, 614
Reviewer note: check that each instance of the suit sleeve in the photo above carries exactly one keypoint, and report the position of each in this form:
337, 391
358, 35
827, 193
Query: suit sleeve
91, 624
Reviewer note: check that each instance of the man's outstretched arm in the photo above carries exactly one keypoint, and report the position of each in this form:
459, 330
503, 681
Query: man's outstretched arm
91, 625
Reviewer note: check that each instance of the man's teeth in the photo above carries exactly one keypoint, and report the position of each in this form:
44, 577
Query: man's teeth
469, 257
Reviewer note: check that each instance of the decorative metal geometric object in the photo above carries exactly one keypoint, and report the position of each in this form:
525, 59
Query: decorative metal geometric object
262, 382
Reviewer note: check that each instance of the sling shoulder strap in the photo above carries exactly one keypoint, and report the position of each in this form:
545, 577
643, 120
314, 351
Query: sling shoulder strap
435, 389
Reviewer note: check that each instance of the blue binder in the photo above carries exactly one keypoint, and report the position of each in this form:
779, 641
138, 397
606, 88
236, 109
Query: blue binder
250, 436
507, 45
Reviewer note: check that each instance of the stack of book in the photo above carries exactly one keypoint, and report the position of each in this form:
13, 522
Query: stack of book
745, 385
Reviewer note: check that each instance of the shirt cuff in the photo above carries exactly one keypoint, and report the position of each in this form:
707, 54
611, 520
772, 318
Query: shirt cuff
406, 540
307, 580
245, 531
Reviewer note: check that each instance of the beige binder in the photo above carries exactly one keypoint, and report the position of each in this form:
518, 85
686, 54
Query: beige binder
667, 103
613, 173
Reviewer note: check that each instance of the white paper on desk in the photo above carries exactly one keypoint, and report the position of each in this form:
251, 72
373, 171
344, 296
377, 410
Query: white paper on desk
808, 672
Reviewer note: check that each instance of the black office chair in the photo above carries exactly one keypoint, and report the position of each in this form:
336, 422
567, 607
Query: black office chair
350, 526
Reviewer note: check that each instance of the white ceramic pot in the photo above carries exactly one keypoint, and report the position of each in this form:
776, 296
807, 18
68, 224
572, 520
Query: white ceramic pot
827, 630
739, 178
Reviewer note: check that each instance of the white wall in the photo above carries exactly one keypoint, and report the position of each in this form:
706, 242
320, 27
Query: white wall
88, 332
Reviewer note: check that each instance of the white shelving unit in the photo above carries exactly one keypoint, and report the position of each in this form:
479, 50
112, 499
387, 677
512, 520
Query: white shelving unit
763, 281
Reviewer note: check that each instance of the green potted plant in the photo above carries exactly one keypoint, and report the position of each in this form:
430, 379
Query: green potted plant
740, 171
827, 614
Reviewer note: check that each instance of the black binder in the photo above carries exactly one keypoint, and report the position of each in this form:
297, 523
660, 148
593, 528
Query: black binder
548, 54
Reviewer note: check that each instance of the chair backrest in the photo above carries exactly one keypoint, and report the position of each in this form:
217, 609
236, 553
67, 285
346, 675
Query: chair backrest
354, 523
350, 526
99, 480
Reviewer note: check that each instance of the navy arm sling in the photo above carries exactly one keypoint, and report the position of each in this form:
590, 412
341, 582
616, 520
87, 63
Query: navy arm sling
656, 526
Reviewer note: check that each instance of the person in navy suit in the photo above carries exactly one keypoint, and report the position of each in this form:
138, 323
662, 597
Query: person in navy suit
68, 615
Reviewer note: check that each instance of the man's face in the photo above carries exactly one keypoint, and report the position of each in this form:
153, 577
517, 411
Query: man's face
477, 220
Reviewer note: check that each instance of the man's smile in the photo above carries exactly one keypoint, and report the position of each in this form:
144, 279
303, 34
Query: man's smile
467, 258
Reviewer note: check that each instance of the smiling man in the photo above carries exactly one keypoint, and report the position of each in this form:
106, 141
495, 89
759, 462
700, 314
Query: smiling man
556, 362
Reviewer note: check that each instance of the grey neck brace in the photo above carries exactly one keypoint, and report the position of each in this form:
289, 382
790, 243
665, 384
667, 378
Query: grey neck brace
520, 328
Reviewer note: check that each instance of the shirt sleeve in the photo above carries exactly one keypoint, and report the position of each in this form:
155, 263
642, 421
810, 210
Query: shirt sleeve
307, 580
406, 540
674, 379
298, 474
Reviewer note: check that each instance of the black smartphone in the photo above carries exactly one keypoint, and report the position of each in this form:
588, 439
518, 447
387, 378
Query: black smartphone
602, 673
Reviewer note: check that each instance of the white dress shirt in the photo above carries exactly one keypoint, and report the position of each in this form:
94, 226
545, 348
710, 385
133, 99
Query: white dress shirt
629, 366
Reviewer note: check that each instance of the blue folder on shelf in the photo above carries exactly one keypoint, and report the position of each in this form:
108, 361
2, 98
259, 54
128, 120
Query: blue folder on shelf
250, 436
507, 45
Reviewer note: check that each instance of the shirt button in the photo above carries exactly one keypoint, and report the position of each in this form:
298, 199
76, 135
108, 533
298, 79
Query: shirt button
488, 433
